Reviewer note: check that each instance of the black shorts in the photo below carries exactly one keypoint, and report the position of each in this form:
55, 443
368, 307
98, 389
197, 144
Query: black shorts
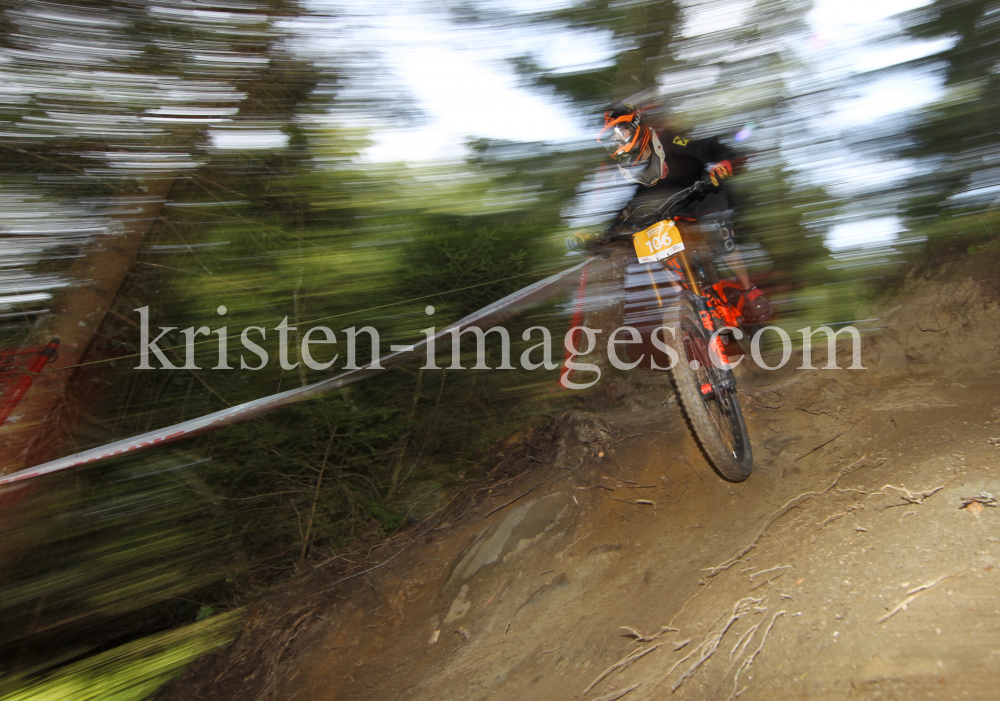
716, 218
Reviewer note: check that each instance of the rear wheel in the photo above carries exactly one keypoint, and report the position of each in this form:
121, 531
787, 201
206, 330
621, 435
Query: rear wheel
708, 395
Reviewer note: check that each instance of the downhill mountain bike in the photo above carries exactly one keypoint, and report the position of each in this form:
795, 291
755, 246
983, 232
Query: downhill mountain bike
707, 315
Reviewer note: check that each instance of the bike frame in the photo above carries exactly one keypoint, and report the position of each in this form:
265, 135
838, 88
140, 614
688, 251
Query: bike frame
712, 299
715, 297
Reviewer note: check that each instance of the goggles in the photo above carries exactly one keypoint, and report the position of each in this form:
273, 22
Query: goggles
624, 138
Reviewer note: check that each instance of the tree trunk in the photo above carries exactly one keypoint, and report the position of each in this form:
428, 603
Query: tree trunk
29, 434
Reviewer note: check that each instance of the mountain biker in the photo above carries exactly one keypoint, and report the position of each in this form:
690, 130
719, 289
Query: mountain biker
663, 162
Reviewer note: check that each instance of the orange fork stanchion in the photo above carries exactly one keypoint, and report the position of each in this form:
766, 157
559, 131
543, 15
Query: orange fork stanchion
23, 383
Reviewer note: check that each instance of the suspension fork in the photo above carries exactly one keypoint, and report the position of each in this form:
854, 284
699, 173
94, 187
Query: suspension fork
724, 377
701, 306
692, 281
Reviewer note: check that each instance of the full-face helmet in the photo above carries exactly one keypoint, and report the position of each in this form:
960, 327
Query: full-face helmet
624, 135
632, 144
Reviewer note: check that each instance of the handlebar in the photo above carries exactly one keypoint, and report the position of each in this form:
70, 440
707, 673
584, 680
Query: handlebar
672, 203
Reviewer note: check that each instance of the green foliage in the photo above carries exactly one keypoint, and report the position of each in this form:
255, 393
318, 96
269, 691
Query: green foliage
128, 99
967, 237
130, 672
949, 204
313, 477
642, 34
320, 241
956, 140
456, 255
784, 220
809, 286
79, 555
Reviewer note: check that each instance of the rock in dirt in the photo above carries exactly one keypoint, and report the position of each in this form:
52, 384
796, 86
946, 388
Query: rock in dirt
522, 526
776, 445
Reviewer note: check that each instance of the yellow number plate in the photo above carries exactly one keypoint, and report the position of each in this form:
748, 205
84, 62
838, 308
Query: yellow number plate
659, 241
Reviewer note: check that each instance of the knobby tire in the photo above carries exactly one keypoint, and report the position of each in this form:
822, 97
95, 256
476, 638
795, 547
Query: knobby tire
717, 422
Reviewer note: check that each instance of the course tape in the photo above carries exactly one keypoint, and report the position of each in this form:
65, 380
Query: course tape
489, 314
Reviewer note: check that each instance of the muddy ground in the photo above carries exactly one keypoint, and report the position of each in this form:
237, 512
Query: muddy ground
621, 566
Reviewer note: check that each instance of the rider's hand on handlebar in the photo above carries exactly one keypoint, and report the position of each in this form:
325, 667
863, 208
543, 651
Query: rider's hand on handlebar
636, 222
576, 243
717, 172
589, 243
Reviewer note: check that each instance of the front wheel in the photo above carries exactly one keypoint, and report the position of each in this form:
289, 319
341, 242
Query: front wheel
708, 395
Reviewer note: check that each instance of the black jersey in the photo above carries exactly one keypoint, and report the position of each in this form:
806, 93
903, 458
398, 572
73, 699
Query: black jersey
685, 160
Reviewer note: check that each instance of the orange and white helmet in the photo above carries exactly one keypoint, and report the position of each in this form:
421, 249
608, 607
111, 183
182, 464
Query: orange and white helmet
624, 135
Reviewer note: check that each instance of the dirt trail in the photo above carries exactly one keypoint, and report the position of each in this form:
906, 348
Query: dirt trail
843, 568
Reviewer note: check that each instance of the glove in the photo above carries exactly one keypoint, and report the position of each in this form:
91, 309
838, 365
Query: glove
581, 242
717, 172
575, 243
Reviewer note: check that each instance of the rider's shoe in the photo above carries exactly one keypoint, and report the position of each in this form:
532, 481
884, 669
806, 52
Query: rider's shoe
758, 306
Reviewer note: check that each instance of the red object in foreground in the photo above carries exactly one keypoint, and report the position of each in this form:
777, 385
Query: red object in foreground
581, 294
15, 380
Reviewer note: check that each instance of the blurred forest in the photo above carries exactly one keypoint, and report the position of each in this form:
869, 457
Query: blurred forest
194, 155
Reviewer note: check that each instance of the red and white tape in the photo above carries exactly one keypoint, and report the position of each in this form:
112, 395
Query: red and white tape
489, 314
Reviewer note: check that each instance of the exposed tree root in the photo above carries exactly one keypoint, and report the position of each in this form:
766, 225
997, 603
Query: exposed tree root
711, 642
615, 695
753, 656
792, 503
913, 594
621, 664
906, 495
